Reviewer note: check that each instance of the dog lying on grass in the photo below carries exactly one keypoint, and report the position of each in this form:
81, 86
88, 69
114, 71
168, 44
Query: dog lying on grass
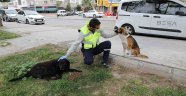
50, 70
130, 45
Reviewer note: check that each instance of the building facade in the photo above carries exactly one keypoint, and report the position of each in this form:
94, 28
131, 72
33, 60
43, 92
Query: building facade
73, 3
41, 5
107, 5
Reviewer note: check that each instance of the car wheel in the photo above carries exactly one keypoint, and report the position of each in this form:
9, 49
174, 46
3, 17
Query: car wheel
3, 19
84, 16
6, 19
27, 22
129, 28
17, 21
94, 16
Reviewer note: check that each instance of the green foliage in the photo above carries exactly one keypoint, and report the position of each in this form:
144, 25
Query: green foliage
4, 43
68, 7
87, 5
14, 71
78, 8
58, 3
6, 35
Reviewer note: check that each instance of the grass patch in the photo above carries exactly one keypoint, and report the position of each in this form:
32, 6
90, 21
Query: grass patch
4, 43
94, 81
7, 35
137, 87
92, 78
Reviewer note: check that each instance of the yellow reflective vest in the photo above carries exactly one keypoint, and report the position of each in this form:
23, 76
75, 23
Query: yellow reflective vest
90, 40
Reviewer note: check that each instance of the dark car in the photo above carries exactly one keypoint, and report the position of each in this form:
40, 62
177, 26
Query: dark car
70, 13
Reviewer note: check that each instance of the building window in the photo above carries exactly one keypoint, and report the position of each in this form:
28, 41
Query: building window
45, 2
19, 2
52, 1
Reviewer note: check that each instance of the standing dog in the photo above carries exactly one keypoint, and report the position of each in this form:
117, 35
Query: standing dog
130, 45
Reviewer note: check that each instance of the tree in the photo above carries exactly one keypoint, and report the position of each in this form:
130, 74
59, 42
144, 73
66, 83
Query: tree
87, 5
78, 8
1, 23
68, 7
58, 4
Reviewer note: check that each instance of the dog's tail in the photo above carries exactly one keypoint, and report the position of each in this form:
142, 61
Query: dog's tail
21, 77
143, 56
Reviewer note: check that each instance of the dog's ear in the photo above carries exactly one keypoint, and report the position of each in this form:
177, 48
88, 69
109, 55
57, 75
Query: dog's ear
121, 29
64, 64
124, 31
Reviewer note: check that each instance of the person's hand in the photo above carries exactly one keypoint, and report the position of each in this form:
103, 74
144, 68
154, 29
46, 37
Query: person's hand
62, 57
116, 30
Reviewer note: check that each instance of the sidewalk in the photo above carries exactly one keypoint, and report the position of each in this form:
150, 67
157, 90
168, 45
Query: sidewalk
34, 37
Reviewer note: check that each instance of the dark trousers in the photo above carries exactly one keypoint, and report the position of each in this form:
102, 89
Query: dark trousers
90, 53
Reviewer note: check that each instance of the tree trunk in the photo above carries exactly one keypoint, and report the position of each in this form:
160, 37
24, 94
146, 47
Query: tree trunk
1, 23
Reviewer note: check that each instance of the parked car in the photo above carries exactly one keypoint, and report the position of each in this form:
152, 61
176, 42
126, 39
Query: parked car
61, 13
30, 17
157, 17
80, 13
8, 14
93, 13
70, 13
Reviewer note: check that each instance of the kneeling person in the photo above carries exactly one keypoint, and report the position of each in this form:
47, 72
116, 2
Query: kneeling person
89, 37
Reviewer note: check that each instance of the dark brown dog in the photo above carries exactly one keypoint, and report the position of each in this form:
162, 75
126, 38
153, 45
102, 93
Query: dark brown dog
50, 70
131, 45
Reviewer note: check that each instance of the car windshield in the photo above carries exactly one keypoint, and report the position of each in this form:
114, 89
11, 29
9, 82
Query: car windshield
31, 13
11, 11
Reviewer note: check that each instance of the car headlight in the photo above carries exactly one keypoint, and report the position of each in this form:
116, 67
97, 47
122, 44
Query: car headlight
30, 18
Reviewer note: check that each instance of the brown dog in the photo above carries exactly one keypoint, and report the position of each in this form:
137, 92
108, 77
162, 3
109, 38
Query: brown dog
130, 45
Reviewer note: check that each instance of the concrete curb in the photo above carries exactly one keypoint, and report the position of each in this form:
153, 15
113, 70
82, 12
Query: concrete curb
172, 73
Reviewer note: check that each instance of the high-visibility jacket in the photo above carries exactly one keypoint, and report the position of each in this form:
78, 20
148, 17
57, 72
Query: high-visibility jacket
90, 40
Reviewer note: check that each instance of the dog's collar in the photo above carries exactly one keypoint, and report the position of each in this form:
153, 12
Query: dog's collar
127, 35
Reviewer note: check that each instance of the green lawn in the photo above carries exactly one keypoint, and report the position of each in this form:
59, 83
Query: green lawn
137, 87
7, 35
95, 80
91, 79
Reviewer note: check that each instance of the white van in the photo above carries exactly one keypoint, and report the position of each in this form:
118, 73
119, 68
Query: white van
158, 17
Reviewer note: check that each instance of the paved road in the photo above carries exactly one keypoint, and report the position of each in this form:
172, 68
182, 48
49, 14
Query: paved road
170, 52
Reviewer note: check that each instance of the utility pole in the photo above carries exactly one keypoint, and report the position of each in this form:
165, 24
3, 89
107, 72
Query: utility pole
103, 3
35, 5
111, 7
